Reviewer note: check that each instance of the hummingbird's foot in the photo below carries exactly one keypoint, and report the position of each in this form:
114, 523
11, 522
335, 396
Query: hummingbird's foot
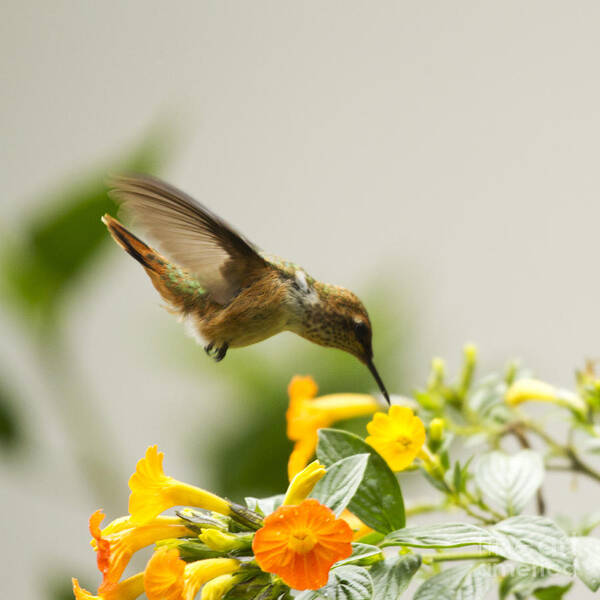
221, 352
208, 348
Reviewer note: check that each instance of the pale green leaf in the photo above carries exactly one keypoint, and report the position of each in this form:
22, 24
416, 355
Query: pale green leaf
392, 576
509, 482
587, 560
534, 540
264, 506
466, 582
442, 535
522, 581
340, 483
348, 583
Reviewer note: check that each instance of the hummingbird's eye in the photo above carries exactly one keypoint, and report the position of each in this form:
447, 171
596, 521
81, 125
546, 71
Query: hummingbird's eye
361, 330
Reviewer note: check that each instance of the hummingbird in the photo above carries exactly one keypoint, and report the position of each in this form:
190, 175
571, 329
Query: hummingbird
229, 292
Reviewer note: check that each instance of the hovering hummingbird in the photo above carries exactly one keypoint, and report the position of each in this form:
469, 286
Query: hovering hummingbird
232, 294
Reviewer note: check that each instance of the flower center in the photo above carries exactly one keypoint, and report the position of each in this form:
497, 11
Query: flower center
401, 443
302, 541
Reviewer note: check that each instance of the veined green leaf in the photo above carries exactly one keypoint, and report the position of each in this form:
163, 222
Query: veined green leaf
308, 595
466, 582
509, 482
348, 583
362, 554
534, 540
587, 560
443, 535
340, 483
392, 576
378, 500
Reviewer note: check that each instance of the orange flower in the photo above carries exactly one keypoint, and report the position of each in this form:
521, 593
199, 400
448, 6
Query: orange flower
307, 414
153, 492
300, 544
127, 589
167, 577
117, 542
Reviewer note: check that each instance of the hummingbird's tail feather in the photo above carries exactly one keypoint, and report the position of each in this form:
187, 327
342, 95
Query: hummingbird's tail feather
145, 255
181, 291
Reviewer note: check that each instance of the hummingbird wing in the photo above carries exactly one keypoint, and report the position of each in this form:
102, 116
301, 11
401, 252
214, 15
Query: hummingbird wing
188, 233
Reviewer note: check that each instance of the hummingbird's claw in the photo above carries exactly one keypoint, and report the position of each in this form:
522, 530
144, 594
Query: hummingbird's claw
218, 353
221, 352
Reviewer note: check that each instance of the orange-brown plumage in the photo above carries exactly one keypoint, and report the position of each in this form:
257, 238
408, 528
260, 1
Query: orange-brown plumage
230, 293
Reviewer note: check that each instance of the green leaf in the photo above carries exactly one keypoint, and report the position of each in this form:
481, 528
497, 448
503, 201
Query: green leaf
362, 554
264, 506
392, 575
308, 595
438, 484
466, 582
552, 592
509, 482
587, 560
348, 583
443, 535
378, 501
534, 540
340, 483
522, 581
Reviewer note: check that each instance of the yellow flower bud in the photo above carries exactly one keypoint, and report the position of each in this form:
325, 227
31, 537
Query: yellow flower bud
216, 588
438, 372
436, 430
304, 482
221, 541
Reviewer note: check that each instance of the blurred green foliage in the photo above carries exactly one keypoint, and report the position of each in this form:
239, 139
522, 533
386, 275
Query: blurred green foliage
12, 430
55, 248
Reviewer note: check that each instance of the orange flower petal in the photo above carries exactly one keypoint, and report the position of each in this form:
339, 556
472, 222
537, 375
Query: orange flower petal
163, 577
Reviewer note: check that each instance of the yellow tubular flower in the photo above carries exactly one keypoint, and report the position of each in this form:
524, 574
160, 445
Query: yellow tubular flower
304, 482
167, 577
216, 588
115, 548
128, 589
398, 436
153, 492
123, 523
524, 390
307, 414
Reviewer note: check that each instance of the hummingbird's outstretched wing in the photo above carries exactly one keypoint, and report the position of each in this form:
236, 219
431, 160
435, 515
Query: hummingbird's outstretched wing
189, 234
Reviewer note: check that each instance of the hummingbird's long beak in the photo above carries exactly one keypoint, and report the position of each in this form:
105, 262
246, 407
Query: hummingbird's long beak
378, 380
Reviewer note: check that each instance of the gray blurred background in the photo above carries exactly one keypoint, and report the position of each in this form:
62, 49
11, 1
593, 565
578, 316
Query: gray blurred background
440, 158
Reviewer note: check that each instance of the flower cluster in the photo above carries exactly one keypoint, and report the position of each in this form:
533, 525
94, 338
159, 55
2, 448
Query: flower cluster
218, 547
214, 546
328, 530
